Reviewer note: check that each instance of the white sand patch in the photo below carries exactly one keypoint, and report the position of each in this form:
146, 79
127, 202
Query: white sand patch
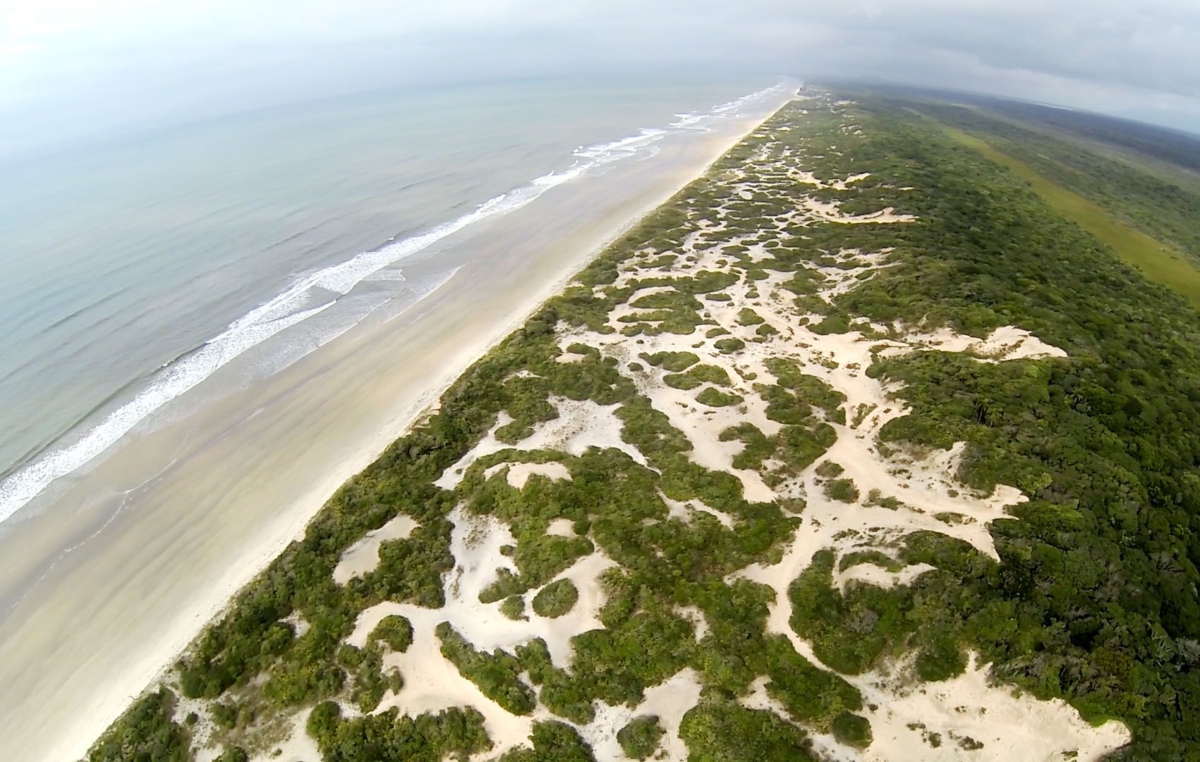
684, 511
911, 717
579, 425
878, 576
758, 253
431, 682
299, 746
1009, 725
694, 615
844, 184
452, 476
363, 556
584, 617
561, 528
202, 731
519, 473
831, 211
669, 701
298, 623
758, 698
854, 527
1006, 343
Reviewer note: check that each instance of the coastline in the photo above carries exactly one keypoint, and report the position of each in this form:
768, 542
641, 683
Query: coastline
383, 402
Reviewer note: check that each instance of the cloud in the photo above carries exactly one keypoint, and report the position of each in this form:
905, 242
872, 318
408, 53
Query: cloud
147, 59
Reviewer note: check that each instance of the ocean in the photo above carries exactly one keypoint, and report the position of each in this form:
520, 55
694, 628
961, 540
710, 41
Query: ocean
145, 277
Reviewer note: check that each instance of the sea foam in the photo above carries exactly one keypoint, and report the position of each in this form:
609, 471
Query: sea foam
294, 306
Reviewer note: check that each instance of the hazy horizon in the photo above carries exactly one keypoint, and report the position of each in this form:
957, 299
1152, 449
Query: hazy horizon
74, 72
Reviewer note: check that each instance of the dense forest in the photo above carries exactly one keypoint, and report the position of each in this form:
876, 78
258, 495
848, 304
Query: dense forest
1159, 207
1171, 146
1091, 595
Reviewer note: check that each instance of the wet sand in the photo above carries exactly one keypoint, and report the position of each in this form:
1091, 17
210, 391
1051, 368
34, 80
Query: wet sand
165, 530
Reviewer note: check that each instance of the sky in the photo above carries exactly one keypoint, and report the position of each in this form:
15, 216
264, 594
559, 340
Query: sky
74, 69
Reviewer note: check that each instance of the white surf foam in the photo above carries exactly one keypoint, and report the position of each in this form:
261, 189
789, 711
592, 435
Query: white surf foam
292, 307
171, 382
688, 121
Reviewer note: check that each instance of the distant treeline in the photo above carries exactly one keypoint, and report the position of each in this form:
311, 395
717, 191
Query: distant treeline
1163, 143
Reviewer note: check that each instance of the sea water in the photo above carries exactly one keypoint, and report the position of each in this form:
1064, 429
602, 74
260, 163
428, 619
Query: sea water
137, 269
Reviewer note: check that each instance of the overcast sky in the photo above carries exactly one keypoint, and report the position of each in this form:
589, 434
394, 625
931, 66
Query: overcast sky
74, 68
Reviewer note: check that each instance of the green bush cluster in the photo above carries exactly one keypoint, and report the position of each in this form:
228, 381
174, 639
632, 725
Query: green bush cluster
394, 631
640, 737
497, 674
146, 733
389, 737
556, 599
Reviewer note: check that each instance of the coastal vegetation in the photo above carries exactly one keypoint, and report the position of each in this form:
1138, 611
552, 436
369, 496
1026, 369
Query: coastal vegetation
640, 738
555, 599
701, 527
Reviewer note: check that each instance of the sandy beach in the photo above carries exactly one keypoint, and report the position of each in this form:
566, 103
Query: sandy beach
152, 542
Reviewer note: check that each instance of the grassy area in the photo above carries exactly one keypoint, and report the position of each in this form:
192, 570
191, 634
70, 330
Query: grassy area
1157, 261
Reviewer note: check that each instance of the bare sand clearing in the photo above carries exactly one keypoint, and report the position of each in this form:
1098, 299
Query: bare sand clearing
668, 701
165, 530
363, 556
580, 424
967, 709
517, 474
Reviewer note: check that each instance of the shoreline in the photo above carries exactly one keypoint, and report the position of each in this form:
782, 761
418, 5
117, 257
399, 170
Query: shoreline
273, 535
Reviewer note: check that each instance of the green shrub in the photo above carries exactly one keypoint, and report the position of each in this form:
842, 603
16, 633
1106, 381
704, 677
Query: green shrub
675, 362
451, 733
552, 742
717, 398
842, 490
852, 729
224, 715
725, 731
513, 607
830, 470
831, 324
639, 738
145, 732
748, 316
498, 674
555, 599
395, 631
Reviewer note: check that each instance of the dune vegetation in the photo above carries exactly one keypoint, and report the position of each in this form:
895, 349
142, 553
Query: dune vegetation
856, 448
